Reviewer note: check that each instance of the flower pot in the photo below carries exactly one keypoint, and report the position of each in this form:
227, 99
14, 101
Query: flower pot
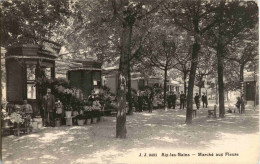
94, 121
81, 122
69, 121
68, 114
57, 123
5, 123
88, 121
39, 125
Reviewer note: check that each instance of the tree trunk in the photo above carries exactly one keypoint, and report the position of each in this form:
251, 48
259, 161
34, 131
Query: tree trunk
220, 82
130, 110
185, 84
165, 87
201, 84
227, 96
195, 52
241, 74
121, 94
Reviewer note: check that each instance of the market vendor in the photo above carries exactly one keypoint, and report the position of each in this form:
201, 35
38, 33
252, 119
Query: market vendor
27, 108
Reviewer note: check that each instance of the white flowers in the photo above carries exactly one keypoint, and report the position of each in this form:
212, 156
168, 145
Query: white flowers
16, 118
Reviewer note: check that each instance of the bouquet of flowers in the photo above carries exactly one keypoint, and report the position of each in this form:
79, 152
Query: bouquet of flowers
88, 108
16, 118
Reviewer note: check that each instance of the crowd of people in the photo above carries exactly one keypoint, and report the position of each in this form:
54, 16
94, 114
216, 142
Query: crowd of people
147, 100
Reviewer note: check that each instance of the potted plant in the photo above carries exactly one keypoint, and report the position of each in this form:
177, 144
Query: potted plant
80, 120
5, 118
57, 122
88, 114
68, 111
17, 119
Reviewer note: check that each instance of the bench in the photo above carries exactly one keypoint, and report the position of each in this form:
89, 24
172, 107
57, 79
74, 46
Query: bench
113, 113
24, 130
212, 112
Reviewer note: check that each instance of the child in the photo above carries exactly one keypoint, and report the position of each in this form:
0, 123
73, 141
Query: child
59, 109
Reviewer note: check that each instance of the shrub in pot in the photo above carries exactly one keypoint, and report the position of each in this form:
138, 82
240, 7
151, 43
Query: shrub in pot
88, 116
57, 122
80, 120
68, 111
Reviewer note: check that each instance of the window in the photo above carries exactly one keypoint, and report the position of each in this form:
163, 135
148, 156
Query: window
31, 89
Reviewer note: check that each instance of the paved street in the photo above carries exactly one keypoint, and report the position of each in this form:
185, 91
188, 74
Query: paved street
151, 133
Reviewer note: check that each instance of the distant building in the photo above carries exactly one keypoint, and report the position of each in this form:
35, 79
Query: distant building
251, 87
138, 81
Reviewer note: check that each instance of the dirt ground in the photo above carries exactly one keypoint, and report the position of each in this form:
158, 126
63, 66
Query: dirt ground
152, 138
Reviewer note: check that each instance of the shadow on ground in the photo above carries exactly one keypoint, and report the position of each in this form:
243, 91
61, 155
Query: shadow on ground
166, 129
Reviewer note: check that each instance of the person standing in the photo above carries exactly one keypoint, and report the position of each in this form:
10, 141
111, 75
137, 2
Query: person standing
173, 99
48, 105
238, 105
204, 99
197, 101
150, 100
169, 100
182, 100
140, 101
59, 109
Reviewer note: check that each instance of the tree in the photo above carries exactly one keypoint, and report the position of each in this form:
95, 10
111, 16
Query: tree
206, 67
196, 17
127, 13
242, 52
231, 76
160, 51
100, 33
27, 21
232, 18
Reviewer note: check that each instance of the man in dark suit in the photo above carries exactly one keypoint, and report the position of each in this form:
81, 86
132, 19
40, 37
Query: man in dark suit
197, 100
169, 100
48, 106
173, 99
182, 100
140, 101
150, 101
204, 100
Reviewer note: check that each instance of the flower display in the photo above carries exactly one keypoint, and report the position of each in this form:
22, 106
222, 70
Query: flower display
16, 118
91, 108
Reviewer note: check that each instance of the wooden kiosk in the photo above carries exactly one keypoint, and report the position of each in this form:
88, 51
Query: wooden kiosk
87, 77
23, 66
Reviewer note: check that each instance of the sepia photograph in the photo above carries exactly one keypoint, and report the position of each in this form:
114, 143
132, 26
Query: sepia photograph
129, 82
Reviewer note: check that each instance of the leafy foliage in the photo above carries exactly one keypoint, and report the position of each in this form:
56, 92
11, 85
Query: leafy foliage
27, 21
